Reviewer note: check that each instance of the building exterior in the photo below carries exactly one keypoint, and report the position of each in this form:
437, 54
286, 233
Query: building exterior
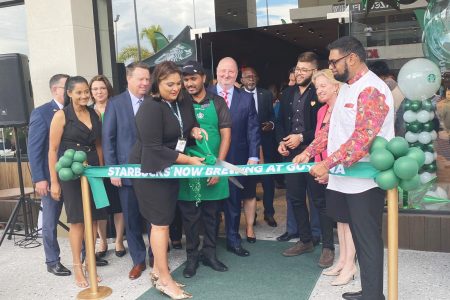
235, 14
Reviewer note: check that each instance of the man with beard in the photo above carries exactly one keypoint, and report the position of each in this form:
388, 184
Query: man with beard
200, 197
295, 129
363, 110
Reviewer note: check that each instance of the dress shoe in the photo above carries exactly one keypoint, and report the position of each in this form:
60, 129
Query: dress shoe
299, 248
316, 240
326, 258
136, 271
163, 289
270, 221
239, 251
286, 237
251, 240
344, 278
58, 269
121, 253
191, 268
214, 263
100, 262
177, 245
352, 295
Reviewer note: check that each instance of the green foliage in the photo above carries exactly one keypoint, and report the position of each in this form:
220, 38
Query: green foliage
130, 52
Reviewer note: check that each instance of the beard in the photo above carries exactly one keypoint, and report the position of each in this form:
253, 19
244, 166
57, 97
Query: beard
344, 77
305, 81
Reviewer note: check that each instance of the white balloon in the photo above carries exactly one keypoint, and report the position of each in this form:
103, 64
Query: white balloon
431, 113
409, 116
411, 137
425, 177
433, 135
423, 116
424, 137
419, 79
429, 158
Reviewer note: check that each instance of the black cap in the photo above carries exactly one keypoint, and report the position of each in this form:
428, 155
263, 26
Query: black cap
192, 67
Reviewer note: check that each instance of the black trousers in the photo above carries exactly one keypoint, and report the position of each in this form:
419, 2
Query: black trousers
296, 185
193, 217
366, 217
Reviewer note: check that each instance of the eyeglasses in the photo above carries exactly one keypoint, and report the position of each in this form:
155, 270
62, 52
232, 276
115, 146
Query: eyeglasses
303, 70
250, 77
60, 87
335, 61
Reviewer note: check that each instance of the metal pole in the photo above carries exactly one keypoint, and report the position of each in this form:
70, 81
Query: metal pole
115, 29
195, 19
93, 291
267, 11
137, 31
392, 223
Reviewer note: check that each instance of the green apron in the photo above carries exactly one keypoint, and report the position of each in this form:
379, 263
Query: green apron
196, 189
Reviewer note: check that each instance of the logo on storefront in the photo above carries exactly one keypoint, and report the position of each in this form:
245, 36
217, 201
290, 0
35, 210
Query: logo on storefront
178, 53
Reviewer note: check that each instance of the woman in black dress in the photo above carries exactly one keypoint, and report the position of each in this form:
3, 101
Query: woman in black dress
102, 90
164, 122
76, 127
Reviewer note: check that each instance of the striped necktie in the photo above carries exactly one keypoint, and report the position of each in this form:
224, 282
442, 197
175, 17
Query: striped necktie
225, 97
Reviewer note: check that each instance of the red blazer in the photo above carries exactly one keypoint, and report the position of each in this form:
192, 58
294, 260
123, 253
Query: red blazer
320, 116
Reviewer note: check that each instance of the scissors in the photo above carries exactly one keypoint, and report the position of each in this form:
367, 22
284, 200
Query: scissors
211, 159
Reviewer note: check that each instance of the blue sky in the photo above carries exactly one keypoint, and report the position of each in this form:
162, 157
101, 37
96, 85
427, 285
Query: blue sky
173, 16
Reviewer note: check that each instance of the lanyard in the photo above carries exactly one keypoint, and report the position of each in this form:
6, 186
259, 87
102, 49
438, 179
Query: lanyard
178, 116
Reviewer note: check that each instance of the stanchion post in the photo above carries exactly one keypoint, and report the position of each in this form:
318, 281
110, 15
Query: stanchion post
392, 225
94, 291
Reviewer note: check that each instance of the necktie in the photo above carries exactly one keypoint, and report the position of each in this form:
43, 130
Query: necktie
225, 97
139, 102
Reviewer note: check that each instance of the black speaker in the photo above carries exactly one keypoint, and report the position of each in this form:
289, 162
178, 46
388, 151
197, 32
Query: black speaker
16, 95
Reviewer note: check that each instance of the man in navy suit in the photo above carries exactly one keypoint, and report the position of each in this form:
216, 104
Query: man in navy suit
266, 117
244, 148
38, 132
118, 137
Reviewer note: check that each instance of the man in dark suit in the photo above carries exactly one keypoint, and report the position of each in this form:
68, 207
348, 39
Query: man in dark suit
245, 142
295, 130
119, 136
266, 117
39, 128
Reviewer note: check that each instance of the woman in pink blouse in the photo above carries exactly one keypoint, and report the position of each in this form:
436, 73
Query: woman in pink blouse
327, 90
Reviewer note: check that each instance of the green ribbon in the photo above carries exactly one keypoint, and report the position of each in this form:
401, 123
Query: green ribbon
95, 174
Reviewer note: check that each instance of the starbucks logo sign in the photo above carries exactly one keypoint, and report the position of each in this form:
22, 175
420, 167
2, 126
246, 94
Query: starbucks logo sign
179, 52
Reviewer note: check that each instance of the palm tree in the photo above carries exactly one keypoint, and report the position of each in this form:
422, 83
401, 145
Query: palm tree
149, 33
130, 52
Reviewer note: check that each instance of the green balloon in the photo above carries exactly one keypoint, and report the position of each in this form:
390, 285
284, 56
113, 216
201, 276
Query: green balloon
407, 104
415, 127
428, 147
65, 174
429, 126
427, 105
58, 166
80, 156
430, 167
398, 146
378, 143
69, 153
77, 168
406, 167
417, 154
410, 184
387, 180
382, 159
416, 145
415, 105
65, 161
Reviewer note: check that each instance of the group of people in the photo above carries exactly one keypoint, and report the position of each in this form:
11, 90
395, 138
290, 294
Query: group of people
328, 116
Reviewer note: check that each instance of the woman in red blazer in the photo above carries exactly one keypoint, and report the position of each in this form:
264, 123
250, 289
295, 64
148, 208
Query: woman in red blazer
327, 89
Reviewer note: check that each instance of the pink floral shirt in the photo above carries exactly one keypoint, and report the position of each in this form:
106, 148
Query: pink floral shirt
371, 112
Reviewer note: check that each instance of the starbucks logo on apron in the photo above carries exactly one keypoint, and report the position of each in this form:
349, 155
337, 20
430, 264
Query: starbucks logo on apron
200, 115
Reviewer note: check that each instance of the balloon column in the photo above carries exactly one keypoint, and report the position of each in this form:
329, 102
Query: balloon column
419, 80
70, 165
397, 162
